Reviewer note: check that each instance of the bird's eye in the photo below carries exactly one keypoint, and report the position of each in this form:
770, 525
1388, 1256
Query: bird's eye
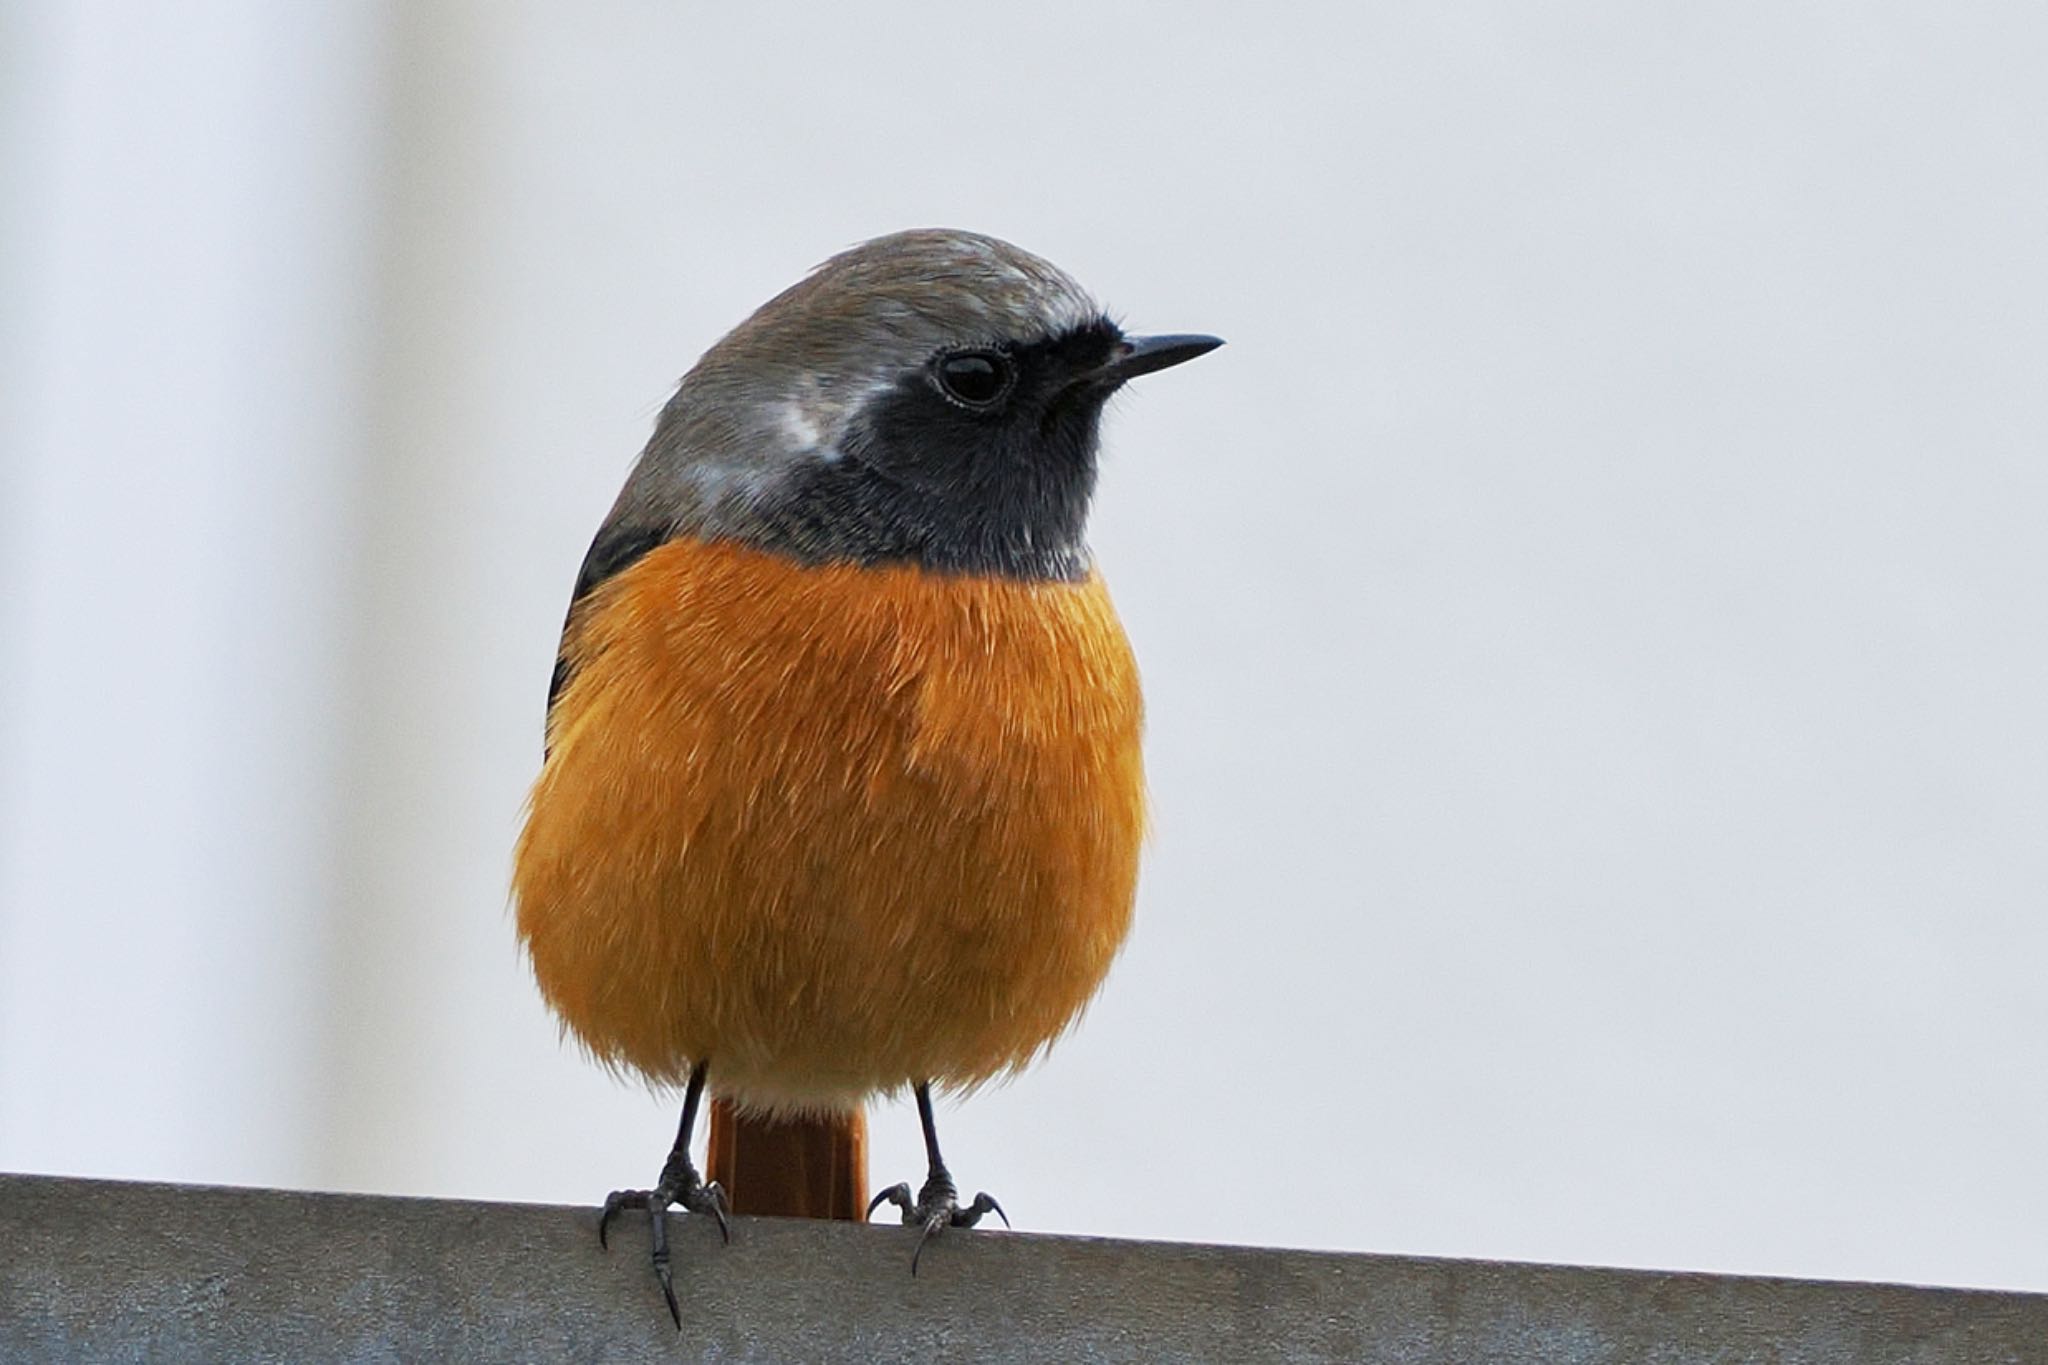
976, 379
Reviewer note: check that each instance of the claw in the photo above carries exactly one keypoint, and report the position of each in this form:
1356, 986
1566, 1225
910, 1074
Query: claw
657, 1227
983, 1203
613, 1202
897, 1194
935, 1209
931, 1230
694, 1197
668, 1292
712, 1197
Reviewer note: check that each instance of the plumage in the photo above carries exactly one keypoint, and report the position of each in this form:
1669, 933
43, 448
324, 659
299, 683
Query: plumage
841, 828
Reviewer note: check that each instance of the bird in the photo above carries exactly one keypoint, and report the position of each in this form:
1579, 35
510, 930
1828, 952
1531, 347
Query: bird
842, 792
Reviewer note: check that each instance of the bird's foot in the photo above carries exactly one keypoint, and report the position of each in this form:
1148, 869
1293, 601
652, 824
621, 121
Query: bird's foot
679, 1185
936, 1208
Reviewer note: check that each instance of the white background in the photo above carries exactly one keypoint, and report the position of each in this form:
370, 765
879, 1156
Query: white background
1592, 611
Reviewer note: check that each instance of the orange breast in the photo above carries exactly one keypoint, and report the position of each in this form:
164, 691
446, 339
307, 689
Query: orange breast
834, 829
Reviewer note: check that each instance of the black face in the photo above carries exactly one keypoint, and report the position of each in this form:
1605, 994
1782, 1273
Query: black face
981, 462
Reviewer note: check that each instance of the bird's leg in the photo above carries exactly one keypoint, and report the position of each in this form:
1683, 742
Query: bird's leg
679, 1184
937, 1205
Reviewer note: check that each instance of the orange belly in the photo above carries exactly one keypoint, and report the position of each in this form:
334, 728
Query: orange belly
834, 829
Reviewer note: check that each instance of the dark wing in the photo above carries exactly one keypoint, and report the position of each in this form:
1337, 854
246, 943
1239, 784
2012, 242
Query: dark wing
616, 549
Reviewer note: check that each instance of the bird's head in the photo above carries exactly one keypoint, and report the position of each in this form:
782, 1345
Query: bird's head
929, 397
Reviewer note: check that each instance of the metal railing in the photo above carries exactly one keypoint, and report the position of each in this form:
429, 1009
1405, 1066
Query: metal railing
108, 1271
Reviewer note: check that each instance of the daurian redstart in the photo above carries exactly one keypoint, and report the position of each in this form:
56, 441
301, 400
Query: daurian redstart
843, 789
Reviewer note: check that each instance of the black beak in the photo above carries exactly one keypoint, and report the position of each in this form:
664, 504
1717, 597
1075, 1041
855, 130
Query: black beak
1142, 355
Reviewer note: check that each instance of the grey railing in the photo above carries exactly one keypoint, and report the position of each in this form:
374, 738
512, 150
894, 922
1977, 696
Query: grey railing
98, 1270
